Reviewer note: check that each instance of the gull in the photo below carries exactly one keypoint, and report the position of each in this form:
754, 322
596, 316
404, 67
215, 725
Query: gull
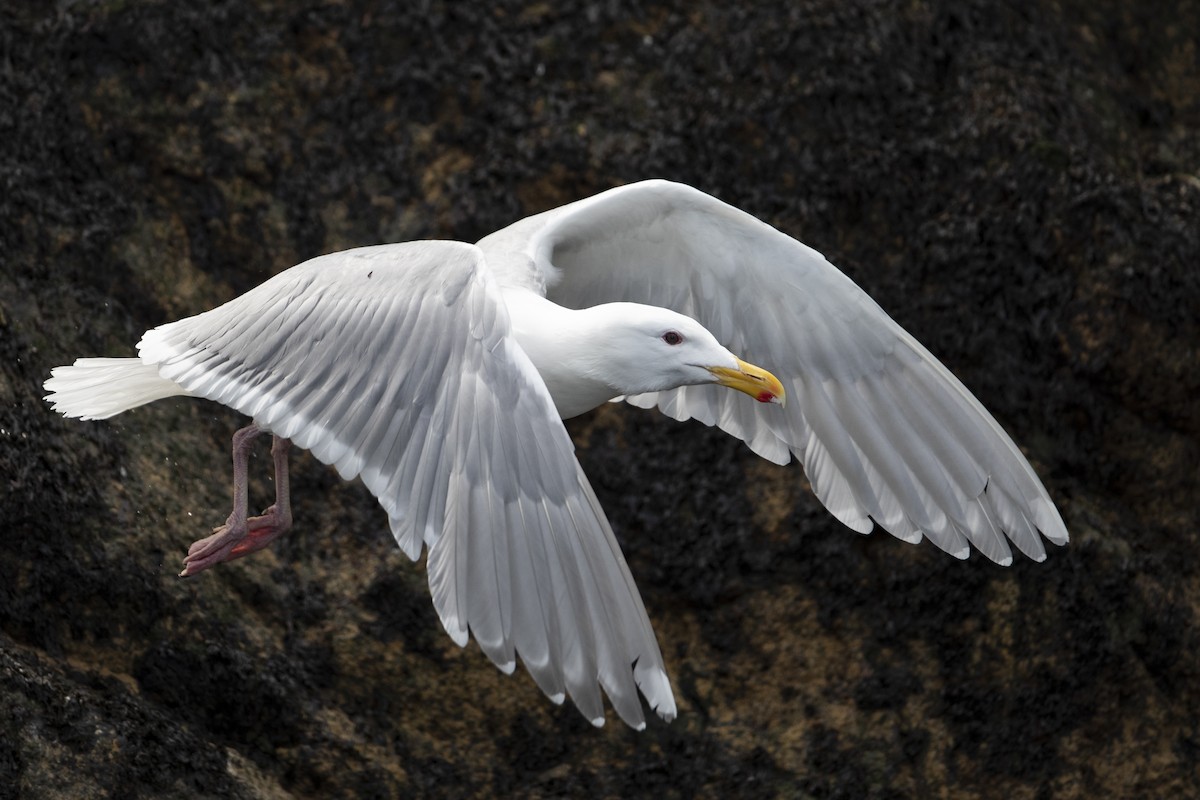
439, 373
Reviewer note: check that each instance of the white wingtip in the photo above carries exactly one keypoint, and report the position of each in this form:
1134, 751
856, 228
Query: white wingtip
459, 636
507, 667
558, 698
599, 722
1006, 561
1049, 521
656, 686
963, 553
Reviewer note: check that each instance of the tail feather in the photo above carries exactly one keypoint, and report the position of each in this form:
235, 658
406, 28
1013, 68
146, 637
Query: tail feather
98, 388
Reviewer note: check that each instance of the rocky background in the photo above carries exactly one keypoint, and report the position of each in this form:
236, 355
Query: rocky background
1017, 183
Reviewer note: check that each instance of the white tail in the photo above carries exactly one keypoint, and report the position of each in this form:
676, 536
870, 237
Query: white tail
98, 388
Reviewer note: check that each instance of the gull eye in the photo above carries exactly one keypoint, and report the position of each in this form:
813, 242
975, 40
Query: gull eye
673, 338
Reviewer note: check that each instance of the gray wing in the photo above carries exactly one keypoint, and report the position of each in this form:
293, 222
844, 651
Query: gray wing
884, 431
395, 364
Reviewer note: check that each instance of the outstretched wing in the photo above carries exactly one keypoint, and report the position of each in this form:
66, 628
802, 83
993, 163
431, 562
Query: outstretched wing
884, 431
395, 364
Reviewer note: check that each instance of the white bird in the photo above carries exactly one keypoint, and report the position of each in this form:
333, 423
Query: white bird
438, 372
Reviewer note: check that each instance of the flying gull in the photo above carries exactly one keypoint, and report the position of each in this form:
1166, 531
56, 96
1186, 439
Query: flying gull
439, 372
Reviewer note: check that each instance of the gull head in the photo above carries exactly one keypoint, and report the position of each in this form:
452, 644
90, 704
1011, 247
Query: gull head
651, 349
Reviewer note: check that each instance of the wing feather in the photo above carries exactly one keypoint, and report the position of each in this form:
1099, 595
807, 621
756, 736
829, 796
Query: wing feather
885, 432
396, 364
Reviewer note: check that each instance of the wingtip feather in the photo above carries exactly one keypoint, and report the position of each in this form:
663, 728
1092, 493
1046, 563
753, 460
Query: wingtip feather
1049, 521
460, 637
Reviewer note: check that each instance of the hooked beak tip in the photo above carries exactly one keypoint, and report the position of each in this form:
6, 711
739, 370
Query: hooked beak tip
754, 381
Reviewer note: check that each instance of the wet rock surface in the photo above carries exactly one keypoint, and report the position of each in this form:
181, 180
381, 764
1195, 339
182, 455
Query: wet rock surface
1017, 185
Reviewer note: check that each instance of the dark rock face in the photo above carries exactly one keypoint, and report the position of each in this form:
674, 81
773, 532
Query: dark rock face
1015, 183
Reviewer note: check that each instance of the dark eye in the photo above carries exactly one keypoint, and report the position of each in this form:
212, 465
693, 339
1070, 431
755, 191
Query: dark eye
672, 337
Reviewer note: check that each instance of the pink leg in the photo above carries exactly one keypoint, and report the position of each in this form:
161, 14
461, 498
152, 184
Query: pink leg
240, 536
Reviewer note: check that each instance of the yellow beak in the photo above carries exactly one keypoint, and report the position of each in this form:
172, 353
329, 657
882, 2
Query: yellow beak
754, 381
